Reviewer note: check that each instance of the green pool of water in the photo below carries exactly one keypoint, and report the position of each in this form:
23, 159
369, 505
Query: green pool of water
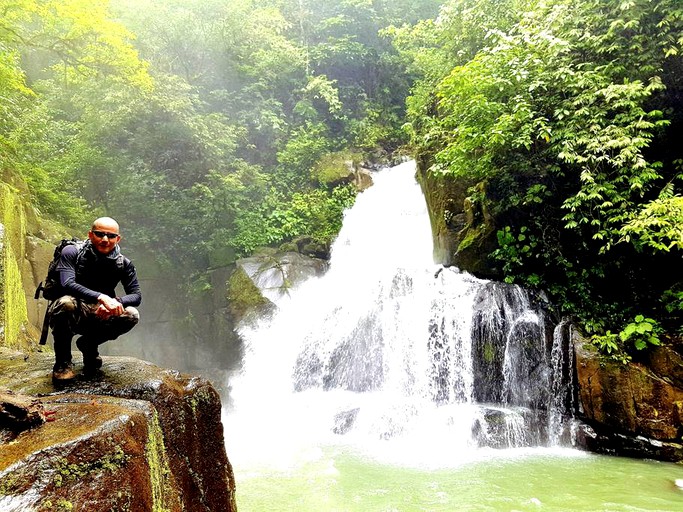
335, 480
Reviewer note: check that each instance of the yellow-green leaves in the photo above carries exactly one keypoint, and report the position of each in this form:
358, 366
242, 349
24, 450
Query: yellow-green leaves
74, 41
658, 225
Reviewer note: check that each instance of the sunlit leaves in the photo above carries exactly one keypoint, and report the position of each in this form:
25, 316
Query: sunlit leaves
658, 225
77, 39
531, 90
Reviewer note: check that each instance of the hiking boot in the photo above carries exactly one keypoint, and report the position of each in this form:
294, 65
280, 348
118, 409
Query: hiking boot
92, 366
63, 373
91, 356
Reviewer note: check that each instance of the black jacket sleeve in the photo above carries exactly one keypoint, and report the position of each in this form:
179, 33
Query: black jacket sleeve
126, 276
131, 286
67, 276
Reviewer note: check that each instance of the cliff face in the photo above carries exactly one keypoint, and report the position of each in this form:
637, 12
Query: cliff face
137, 438
24, 256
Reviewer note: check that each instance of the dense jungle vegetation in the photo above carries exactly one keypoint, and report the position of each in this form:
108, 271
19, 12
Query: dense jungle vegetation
570, 112
210, 128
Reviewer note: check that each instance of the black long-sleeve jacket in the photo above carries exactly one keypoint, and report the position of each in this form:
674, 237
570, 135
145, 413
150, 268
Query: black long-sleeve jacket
86, 274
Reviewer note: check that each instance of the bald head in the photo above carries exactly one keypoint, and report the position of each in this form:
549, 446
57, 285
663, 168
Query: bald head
104, 234
106, 224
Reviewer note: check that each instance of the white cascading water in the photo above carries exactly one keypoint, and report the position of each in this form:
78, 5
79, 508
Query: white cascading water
377, 354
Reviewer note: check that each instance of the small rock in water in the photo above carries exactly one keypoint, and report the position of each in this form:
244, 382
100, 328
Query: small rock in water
344, 421
679, 483
535, 501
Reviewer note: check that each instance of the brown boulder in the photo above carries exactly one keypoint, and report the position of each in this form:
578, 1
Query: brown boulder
632, 399
463, 229
135, 438
94, 456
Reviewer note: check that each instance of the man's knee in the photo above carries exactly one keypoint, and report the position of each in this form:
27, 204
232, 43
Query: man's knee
64, 305
131, 315
64, 312
123, 323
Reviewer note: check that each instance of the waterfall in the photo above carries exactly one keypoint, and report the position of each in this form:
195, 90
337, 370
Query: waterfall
388, 349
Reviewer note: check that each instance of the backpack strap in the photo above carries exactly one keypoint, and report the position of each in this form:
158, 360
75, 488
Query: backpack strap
46, 324
39, 289
121, 262
81, 246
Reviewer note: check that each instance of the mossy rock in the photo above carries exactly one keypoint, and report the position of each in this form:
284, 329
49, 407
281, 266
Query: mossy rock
463, 229
244, 297
136, 436
335, 169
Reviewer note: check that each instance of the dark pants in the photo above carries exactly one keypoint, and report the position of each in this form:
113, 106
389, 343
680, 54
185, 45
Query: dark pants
69, 316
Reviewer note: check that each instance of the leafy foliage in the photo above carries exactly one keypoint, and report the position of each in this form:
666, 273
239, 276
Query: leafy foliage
637, 335
569, 112
641, 332
208, 129
658, 225
197, 124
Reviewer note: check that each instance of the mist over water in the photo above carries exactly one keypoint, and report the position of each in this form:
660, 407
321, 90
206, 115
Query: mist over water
377, 354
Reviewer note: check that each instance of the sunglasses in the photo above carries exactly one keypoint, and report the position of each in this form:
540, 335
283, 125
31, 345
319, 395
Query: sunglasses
102, 234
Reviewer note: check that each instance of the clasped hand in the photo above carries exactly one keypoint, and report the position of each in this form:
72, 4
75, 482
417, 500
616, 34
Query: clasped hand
108, 307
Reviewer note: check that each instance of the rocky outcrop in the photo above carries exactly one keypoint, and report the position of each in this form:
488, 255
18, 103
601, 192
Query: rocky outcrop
136, 438
342, 168
633, 409
261, 280
462, 227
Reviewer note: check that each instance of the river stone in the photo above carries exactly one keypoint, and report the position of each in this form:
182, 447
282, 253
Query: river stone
509, 427
343, 421
134, 416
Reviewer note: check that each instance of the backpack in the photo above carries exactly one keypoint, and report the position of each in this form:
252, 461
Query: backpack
52, 289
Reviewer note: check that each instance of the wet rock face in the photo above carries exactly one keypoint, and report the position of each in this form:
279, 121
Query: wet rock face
603, 440
509, 324
464, 230
93, 457
276, 273
136, 438
633, 409
261, 280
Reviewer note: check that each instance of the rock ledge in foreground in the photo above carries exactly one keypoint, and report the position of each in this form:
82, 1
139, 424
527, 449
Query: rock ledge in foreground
136, 438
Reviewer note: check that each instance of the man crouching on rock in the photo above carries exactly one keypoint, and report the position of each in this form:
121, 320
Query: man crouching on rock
89, 274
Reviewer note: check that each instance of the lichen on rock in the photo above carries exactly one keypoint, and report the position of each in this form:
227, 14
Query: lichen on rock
159, 471
13, 308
